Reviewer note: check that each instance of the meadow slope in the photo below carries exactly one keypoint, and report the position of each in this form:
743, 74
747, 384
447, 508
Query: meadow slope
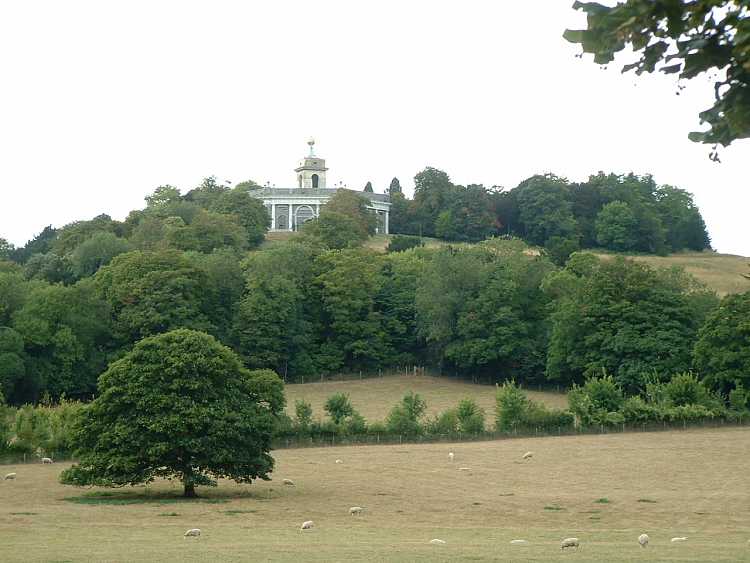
604, 489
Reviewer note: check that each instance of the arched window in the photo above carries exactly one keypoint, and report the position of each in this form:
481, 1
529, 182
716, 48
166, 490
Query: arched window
315, 180
302, 215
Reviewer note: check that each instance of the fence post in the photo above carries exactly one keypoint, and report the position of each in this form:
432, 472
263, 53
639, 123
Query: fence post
400, 438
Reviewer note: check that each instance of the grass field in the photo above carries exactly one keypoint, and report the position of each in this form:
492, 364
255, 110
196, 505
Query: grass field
721, 272
604, 489
375, 397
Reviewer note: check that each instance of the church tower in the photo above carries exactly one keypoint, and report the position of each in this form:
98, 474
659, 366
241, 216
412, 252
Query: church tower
311, 172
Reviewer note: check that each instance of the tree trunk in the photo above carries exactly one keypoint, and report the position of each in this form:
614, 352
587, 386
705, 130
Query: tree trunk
189, 489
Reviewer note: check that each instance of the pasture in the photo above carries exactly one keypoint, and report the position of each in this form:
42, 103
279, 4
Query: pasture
603, 489
374, 397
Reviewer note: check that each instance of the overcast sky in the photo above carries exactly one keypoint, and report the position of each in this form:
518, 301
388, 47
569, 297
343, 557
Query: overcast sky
101, 102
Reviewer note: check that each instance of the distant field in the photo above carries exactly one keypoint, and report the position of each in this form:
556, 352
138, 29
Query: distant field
722, 272
603, 489
375, 397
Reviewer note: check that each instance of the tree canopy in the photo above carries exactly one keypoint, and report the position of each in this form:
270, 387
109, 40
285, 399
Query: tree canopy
685, 38
179, 405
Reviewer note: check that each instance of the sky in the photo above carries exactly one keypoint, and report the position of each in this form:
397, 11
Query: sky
101, 102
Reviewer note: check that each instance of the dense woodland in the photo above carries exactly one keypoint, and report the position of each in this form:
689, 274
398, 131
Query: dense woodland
76, 298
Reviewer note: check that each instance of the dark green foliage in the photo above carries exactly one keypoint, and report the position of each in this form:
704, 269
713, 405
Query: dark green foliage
303, 412
368, 188
6, 249
395, 187
399, 243
152, 292
40, 244
66, 336
249, 212
178, 405
73, 235
431, 190
333, 230
353, 205
624, 317
722, 352
545, 209
49, 267
559, 249
514, 412
685, 38
338, 407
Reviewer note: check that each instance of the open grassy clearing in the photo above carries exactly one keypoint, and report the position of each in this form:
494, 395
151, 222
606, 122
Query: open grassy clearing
721, 272
375, 397
692, 483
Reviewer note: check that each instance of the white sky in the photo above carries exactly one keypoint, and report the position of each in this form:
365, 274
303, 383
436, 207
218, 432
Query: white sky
100, 102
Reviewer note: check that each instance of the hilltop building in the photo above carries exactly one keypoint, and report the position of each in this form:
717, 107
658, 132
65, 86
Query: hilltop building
291, 207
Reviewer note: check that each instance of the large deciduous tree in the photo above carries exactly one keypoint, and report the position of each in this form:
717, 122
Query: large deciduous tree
179, 405
722, 353
684, 38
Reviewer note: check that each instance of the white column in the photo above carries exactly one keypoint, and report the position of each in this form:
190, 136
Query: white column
291, 211
386, 222
317, 210
273, 216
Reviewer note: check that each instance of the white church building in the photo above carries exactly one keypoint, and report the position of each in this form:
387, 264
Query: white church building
291, 207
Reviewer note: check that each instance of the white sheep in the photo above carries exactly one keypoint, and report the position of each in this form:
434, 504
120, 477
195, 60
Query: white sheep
528, 455
464, 468
437, 542
518, 542
10, 476
47, 460
676, 540
643, 540
356, 510
192, 533
288, 482
339, 461
569, 542
450, 456
306, 525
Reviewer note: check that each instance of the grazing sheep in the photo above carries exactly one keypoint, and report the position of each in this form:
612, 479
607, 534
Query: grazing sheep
10, 476
518, 542
464, 468
569, 542
355, 510
47, 460
450, 456
193, 533
437, 542
306, 525
288, 482
339, 461
643, 540
675, 540
528, 455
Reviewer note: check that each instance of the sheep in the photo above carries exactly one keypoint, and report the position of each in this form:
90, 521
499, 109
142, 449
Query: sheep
518, 542
528, 455
10, 476
450, 456
680, 539
464, 468
437, 542
339, 461
47, 460
192, 533
288, 482
643, 540
356, 510
306, 525
569, 542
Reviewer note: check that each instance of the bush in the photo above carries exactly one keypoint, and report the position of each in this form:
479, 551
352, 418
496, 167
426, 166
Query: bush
400, 243
539, 416
338, 407
354, 425
604, 392
444, 423
470, 417
597, 402
685, 389
739, 398
688, 413
377, 428
404, 417
636, 410
303, 413
511, 407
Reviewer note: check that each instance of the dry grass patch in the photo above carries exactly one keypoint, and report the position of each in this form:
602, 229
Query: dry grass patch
412, 494
375, 397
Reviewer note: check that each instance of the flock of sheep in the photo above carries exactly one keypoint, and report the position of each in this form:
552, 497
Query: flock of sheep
643, 539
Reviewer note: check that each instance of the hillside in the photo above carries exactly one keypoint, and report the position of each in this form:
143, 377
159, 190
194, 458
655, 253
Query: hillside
721, 272
375, 397
604, 489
